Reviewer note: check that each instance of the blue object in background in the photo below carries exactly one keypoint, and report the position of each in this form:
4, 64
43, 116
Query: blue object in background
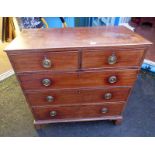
83, 21
30, 22
148, 68
55, 22
97, 21
117, 19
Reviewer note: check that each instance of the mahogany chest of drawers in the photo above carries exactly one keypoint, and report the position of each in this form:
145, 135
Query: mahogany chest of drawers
77, 74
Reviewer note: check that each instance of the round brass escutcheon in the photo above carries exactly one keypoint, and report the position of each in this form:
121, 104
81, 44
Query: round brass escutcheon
112, 79
112, 59
46, 82
104, 110
53, 113
107, 96
46, 63
50, 98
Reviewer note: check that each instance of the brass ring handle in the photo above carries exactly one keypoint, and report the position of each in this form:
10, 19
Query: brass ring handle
46, 63
104, 110
112, 79
107, 96
50, 98
46, 82
112, 59
53, 113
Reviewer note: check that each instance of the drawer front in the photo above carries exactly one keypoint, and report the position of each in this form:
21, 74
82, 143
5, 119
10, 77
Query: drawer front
108, 59
75, 80
52, 61
82, 111
59, 97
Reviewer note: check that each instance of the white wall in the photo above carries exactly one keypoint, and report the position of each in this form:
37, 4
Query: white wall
0, 29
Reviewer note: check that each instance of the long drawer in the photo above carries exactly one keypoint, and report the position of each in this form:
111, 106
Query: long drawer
82, 111
49, 80
40, 61
60, 97
111, 58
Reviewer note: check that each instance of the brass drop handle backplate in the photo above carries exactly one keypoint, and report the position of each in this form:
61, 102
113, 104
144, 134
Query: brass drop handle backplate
53, 113
112, 59
112, 79
104, 110
107, 96
46, 82
46, 63
50, 98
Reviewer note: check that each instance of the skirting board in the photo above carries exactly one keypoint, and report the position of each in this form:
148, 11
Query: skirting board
149, 62
6, 75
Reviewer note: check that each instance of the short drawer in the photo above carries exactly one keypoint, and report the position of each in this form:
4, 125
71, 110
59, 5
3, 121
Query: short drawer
44, 81
111, 58
82, 111
60, 97
39, 61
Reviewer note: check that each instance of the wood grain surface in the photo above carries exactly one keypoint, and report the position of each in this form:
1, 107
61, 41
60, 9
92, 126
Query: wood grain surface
99, 58
33, 62
80, 111
80, 71
77, 79
82, 37
77, 96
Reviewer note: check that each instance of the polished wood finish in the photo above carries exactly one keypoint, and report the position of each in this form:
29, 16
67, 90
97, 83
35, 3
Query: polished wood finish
76, 96
80, 111
60, 61
73, 38
80, 79
99, 58
88, 73
44, 122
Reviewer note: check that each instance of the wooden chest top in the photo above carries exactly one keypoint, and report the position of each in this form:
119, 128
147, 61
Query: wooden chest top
77, 74
68, 38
